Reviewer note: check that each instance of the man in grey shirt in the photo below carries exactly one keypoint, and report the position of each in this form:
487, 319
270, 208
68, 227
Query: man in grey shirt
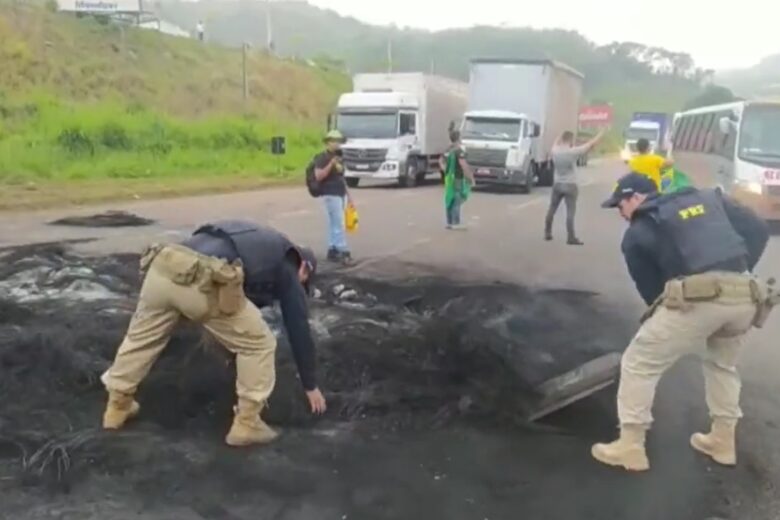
565, 157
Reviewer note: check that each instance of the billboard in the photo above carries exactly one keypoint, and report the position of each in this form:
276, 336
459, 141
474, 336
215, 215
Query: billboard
100, 6
595, 116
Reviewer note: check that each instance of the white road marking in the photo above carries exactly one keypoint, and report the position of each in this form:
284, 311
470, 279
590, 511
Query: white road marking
514, 208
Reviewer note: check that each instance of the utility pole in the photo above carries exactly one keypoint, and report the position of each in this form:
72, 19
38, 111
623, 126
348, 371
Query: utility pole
246, 78
389, 55
269, 29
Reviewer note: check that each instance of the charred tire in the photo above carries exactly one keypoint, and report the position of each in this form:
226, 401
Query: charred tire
353, 182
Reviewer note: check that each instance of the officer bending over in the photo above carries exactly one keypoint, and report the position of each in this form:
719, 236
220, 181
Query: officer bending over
220, 277
690, 254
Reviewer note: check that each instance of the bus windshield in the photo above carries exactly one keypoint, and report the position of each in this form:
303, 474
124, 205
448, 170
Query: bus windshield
368, 125
760, 135
492, 129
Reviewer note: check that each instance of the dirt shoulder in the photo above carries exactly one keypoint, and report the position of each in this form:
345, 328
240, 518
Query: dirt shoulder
33, 196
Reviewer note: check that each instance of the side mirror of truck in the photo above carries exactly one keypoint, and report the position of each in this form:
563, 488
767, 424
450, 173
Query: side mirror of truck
330, 122
537, 131
725, 125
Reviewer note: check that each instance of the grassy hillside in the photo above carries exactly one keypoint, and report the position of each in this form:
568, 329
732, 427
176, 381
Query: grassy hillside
82, 100
631, 76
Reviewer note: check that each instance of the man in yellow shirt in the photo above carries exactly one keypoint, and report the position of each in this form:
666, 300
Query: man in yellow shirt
649, 164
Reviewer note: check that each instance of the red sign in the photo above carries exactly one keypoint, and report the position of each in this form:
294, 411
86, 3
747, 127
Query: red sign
595, 116
772, 177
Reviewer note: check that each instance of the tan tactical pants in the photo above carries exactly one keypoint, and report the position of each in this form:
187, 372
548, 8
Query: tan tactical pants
180, 282
713, 329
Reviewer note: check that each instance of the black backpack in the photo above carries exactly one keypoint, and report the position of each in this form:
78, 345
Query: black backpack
311, 181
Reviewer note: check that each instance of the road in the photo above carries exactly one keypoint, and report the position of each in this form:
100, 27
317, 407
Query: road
504, 242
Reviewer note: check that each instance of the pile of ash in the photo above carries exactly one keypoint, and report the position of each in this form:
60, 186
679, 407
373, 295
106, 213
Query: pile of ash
417, 354
103, 220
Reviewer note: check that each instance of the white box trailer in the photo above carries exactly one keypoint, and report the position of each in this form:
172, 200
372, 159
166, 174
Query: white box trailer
397, 125
531, 102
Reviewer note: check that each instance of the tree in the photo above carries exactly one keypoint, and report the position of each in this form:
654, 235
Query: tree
712, 95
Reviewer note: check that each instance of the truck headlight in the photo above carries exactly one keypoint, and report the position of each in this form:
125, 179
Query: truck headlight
753, 187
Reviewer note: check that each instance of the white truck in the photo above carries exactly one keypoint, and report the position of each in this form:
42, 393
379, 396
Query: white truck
517, 110
397, 125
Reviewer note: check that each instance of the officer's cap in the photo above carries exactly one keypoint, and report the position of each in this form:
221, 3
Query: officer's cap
627, 186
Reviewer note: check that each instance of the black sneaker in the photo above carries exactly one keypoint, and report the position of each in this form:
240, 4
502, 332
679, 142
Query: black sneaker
548, 237
334, 255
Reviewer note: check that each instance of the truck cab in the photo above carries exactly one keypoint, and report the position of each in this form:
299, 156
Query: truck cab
637, 130
500, 147
381, 133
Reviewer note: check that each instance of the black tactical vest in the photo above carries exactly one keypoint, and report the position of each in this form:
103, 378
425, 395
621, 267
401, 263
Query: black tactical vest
697, 224
262, 251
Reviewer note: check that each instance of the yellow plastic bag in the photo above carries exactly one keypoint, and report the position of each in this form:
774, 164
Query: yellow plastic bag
351, 218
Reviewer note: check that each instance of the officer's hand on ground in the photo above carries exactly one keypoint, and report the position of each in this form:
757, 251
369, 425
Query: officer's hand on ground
316, 401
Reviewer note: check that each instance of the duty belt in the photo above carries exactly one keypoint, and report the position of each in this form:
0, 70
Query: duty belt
681, 293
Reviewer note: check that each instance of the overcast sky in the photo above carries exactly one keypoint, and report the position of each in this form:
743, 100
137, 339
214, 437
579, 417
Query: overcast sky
734, 34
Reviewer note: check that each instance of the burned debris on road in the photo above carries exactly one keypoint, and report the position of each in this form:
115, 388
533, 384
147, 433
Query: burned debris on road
394, 357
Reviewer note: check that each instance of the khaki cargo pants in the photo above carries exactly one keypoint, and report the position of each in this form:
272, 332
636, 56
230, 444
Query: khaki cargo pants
712, 326
180, 282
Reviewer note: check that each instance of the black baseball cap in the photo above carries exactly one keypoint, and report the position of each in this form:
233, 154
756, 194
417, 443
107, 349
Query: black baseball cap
627, 186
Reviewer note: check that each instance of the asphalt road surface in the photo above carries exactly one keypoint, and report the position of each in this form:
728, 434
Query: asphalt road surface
505, 242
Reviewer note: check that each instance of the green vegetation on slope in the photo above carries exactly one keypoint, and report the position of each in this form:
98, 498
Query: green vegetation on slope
632, 76
80, 100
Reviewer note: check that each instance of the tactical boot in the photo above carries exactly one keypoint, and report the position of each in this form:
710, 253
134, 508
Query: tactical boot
719, 443
334, 255
248, 428
628, 451
119, 409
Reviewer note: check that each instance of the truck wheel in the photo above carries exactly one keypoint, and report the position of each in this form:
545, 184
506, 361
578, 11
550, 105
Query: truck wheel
353, 182
409, 178
546, 174
528, 187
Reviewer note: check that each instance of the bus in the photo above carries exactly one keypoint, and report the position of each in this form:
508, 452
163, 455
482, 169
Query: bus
735, 146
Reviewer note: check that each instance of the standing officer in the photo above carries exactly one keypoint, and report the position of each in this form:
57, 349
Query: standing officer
690, 254
220, 277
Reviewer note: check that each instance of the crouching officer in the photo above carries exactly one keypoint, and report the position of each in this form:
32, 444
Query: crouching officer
690, 254
220, 277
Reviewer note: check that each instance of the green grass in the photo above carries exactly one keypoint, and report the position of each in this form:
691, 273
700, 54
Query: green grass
44, 139
83, 103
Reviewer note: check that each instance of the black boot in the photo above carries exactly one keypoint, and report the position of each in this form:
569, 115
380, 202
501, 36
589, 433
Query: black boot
346, 258
334, 255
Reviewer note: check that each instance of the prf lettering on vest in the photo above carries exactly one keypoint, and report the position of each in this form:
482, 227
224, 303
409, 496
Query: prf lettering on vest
693, 211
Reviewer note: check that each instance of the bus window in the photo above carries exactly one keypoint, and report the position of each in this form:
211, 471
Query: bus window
760, 134
685, 131
704, 132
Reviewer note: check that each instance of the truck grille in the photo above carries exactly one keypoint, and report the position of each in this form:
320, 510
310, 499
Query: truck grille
485, 157
365, 155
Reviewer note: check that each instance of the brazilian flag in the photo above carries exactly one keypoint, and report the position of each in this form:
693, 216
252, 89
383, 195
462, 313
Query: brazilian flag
673, 180
453, 185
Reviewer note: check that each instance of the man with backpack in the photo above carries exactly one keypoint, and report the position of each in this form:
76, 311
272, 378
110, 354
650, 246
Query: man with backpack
325, 180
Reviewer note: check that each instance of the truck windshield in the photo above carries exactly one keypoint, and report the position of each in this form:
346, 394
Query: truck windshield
760, 135
635, 134
492, 129
368, 125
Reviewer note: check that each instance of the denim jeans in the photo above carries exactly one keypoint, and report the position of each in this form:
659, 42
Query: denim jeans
337, 237
567, 193
453, 211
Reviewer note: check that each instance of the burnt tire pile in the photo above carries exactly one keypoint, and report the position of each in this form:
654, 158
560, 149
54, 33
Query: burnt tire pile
392, 356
